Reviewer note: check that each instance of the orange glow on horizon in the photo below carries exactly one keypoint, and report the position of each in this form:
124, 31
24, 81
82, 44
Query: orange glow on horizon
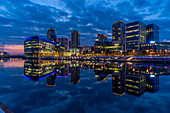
14, 49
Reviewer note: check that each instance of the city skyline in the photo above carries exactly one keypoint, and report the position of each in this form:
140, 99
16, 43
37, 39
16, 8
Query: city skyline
34, 17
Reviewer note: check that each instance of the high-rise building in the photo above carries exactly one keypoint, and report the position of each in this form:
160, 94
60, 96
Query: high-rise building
152, 33
135, 36
118, 35
75, 39
51, 35
64, 43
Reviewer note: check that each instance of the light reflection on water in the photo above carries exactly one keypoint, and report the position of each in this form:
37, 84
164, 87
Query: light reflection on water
71, 86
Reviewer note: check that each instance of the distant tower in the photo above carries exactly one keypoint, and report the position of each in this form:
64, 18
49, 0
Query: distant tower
152, 33
51, 34
75, 39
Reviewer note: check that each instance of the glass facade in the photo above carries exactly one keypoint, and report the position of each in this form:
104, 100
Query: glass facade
64, 43
152, 33
39, 47
119, 34
162, 48
135, 35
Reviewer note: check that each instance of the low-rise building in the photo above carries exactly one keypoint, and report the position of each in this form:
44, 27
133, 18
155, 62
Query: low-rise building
37, 46
156, 48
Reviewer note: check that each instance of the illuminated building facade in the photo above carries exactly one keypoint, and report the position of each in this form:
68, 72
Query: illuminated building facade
156, 48
51, 34
152, 33
100, 43
135, 36
64, 43
38, 47
118, 36
75, 39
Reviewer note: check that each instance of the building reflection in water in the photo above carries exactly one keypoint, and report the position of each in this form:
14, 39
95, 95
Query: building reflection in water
74, 70
133, 79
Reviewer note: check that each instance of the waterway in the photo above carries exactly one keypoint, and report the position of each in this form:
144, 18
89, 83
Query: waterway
31, 86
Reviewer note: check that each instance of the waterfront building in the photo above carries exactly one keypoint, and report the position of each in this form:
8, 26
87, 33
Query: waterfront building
135, 36
152, 33
100, 43
118, 36
37, 46
75, 39
64, 43
86, 49
156, 48
51, 34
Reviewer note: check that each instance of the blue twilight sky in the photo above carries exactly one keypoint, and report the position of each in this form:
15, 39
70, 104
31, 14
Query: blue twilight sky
23, 18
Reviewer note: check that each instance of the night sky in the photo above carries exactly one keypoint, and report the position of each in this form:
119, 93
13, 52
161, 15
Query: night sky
23, 18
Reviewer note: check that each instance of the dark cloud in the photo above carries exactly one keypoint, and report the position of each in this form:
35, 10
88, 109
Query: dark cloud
33, 17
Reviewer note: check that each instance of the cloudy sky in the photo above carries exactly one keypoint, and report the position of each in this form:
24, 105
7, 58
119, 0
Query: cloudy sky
23, 18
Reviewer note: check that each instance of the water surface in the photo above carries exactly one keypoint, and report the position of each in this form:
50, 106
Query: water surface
84, 87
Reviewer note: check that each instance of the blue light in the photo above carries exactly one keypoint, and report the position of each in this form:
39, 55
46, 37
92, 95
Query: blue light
40, 78
40, 38
152, 42
152, 76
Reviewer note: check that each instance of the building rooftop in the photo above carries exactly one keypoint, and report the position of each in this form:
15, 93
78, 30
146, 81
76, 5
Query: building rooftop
51, 29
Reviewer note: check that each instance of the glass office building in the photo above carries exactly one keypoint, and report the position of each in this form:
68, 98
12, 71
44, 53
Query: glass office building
51, 35
135, 36
39, 47
118, 35
64, 43
156, 48
152, 33
100, 43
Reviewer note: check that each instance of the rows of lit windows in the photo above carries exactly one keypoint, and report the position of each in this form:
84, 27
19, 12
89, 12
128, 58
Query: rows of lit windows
132, 36
132, 26
132, 31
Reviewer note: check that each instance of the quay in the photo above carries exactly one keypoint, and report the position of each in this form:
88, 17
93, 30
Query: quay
141, 59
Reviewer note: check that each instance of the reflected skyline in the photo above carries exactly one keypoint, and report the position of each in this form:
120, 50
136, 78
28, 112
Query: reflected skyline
127, 78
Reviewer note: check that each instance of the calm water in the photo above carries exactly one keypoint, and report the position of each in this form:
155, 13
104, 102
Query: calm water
84, 87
